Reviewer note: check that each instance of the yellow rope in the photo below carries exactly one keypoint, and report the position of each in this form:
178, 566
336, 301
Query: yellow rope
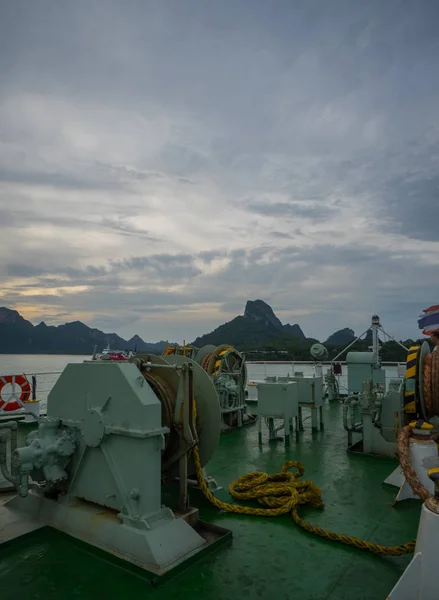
282, 493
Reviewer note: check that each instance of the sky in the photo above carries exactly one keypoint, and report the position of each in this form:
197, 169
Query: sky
164, 161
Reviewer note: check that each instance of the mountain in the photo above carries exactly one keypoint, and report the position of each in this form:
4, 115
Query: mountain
258, 325
18, 336
260, 311
342, 337
295, 331
258, 331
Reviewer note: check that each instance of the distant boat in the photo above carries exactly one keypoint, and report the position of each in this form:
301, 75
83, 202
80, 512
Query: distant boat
109, 354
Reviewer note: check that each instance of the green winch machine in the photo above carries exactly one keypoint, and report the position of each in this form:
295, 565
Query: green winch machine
116, 435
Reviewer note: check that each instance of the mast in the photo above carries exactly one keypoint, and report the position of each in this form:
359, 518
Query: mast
375, 326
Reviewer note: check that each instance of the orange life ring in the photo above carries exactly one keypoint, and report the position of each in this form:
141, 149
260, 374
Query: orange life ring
24, 384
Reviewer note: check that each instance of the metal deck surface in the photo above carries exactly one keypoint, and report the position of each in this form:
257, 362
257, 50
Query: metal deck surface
269, 558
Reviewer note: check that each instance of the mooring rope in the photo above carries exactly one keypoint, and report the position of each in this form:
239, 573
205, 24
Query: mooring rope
282, 493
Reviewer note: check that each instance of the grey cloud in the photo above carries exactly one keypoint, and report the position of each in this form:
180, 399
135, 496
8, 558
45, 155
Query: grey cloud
57, 315
233, 308
19, 217
130, 173
55, 180
412, 208
124, 228
183, 161
290, 210
331, 106
20, 270
167, 266
115, 324
209, 255
284, 236
157, 260
373, 283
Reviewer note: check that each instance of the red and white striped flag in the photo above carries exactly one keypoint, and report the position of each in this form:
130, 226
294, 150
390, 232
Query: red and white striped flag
429, 320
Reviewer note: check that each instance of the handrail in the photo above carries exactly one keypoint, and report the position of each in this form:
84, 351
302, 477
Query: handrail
392, 363
30, 373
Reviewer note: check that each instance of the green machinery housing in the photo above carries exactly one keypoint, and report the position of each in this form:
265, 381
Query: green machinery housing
115, 436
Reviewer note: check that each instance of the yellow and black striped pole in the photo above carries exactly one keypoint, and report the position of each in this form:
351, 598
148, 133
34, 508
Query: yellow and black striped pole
411, 372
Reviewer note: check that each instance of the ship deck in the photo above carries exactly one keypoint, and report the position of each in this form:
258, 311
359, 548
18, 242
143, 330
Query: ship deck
269, 557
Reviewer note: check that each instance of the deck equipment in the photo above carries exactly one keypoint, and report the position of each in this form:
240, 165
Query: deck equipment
114, 434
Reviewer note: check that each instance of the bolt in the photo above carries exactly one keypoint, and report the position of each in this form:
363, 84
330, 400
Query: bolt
134, 494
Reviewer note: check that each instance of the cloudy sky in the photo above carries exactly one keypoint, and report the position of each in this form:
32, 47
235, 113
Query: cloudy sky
161, 162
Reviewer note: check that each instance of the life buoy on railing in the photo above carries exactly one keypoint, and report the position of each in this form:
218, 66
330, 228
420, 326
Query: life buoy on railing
23, 383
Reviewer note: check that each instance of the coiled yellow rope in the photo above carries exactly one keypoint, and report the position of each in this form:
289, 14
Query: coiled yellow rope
282, 493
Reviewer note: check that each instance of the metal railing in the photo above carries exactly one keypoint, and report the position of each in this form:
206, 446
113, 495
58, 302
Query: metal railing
258, 371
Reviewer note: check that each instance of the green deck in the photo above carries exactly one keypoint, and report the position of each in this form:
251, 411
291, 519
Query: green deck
269, 558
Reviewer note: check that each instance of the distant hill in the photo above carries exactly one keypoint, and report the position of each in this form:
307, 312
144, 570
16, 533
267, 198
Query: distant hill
18, 336
257, 325
262, 336
258, 332
341, 337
